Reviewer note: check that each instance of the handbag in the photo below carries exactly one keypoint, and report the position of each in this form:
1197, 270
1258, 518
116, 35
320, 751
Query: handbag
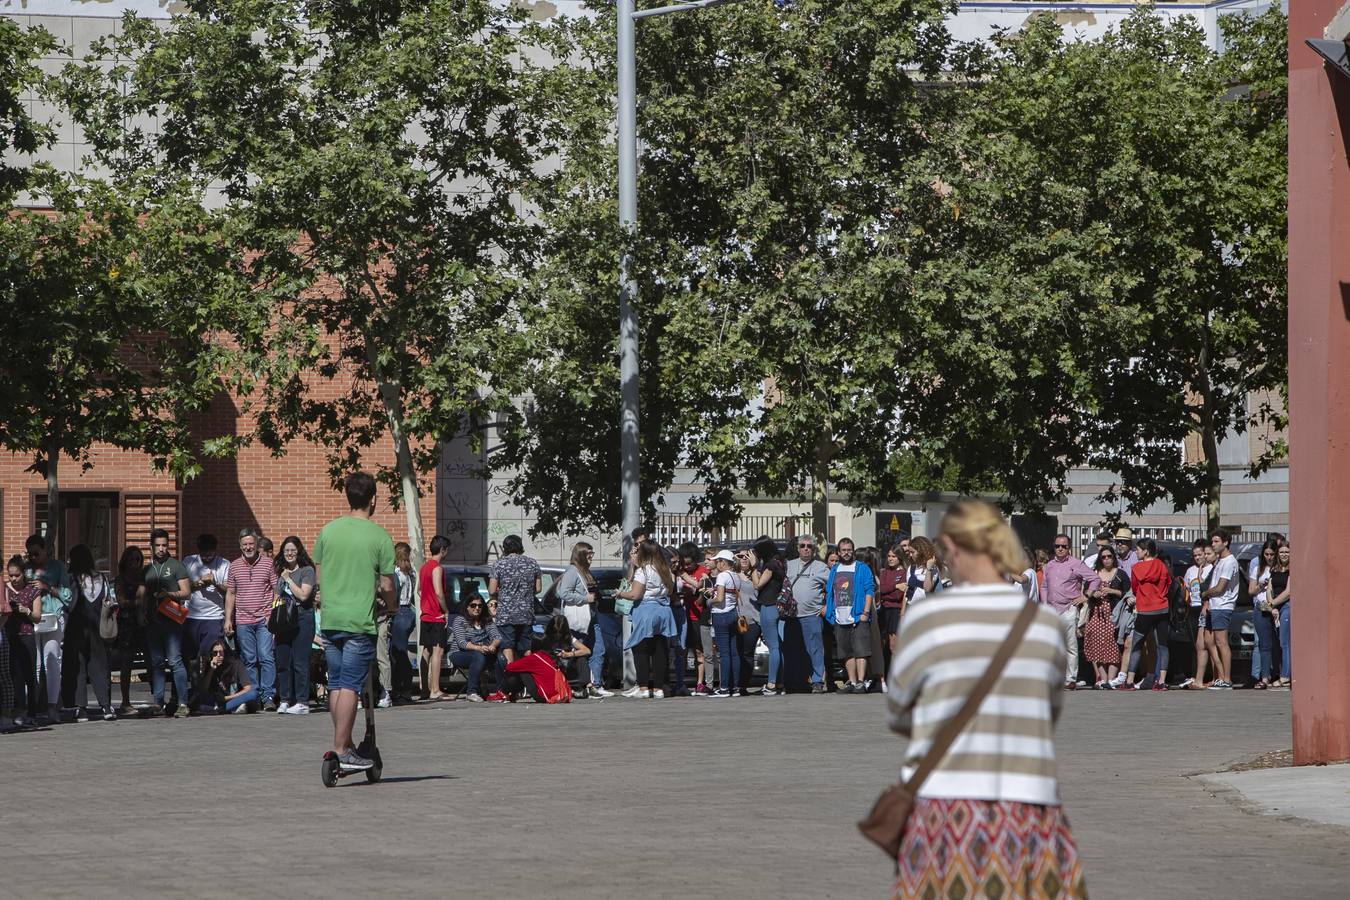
787, 602
284, 619
623, 607
172, 610
742, 625
107, 620
885, 824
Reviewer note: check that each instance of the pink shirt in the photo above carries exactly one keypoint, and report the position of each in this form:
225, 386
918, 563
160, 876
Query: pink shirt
254, 587
1064, 581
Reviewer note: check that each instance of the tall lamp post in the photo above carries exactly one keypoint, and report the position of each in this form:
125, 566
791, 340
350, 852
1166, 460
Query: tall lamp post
628, 326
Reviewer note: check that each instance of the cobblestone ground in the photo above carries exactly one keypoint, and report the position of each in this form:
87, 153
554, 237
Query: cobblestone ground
677, 798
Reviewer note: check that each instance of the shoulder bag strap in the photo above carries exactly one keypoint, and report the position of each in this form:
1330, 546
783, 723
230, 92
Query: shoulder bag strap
957, 723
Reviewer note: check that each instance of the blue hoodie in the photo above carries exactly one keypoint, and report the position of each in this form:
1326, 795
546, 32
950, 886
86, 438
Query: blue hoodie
863, 584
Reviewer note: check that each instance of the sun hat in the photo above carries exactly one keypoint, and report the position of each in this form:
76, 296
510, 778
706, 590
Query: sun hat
725, 554
1124, 533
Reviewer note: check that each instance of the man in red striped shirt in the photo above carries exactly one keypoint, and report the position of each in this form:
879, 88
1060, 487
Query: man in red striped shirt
248, 602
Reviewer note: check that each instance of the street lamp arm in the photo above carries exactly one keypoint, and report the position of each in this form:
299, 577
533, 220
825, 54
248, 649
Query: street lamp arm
678, 7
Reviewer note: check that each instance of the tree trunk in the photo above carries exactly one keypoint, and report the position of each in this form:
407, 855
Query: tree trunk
1209, 441
412, 499
54, 493
820, 491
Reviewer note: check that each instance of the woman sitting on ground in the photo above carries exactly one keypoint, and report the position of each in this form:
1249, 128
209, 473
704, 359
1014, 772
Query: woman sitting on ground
223, 686
541, 672
473, 645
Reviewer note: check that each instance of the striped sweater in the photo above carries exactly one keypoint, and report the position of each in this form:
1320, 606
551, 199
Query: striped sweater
1007, 750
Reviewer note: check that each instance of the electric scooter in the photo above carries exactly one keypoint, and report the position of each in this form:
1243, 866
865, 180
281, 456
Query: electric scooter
332, 771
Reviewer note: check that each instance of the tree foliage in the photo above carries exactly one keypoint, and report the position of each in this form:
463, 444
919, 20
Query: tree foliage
370, 158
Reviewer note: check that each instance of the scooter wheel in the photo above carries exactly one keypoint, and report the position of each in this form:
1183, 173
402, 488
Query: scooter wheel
329, 770
375, 772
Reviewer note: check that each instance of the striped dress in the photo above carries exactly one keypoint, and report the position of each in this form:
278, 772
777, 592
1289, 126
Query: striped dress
988, 820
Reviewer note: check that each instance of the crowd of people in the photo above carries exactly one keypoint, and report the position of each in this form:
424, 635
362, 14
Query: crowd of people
244, 634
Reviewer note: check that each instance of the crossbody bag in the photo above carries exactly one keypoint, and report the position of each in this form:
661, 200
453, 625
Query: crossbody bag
885, 824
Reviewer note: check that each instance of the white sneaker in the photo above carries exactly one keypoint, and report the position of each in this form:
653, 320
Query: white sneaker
1187, 683
656, 695
298, 709
283, 707
474, 698
1118, 680
634, 692
385, 701
599, 691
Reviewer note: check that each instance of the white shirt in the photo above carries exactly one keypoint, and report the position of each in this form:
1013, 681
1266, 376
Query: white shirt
1195, 580
732, 583
1262, 580
1226, 568
1031, 588
209, 602
653, 588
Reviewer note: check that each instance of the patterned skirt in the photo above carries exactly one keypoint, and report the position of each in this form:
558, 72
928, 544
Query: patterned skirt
984, 848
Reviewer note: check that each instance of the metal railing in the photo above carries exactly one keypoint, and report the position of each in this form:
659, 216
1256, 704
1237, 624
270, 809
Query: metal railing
1082, 537
673, 529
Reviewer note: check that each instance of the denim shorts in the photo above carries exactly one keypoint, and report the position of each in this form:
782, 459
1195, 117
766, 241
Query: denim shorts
1218, 619
348, 657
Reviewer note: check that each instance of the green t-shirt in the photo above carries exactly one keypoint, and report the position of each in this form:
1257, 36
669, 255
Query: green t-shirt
161, 577
351, 554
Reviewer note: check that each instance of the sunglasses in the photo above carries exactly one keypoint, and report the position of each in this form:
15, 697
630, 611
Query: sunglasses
1061, 546
806, 546
475, 606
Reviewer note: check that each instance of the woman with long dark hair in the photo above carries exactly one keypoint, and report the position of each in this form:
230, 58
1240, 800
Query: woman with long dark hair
1099, 633
474, 642
405, 620
23, 601
1263, 620
295, 584
90, 662
129, 586
768, 580
1279, 601
223, 685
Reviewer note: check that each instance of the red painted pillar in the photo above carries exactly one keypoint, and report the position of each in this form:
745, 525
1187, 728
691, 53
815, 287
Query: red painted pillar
1319, 390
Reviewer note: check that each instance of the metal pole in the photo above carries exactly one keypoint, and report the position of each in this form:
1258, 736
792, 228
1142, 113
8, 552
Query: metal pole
628, 325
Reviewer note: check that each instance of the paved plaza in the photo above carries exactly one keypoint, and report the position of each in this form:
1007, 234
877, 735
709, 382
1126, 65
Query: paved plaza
678, 798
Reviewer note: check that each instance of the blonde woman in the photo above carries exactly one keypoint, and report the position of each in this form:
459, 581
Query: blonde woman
994, 779
405, 622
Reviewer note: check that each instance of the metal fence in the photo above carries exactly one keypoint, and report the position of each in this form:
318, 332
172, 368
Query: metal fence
1082, 537
673, 529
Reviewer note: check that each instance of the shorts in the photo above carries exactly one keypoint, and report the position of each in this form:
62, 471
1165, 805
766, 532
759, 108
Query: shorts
519, 638
853, 641
433, 634
1219, 619
693, 638
348, 656
890, 620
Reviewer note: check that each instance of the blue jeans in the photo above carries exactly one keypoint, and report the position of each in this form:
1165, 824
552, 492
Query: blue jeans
400, 641
1263, 654
769, 631
349, 656
255, 646
210, 705
165, 643
474, 663
1284, 641
606, 641
293, 661
813, 635
725, 636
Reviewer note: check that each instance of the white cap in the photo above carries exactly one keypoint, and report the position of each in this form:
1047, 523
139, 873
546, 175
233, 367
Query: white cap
725, 554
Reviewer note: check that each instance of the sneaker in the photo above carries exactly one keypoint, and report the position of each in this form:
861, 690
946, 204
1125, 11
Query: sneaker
474, 698
270, 705
769, 691
298, 709
497, 697
1118, 680
385, 701
283, 707
350, 762
182, 712
701, 690
81, 715
240, 710
1221, 685
1187, 682
109, 715
1127, 687
1146, 683
656, 695
1080, 683
126, 709
600, 691
155, 709
1106, 686
634, 692
818, 688
1159, 687
720, 693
